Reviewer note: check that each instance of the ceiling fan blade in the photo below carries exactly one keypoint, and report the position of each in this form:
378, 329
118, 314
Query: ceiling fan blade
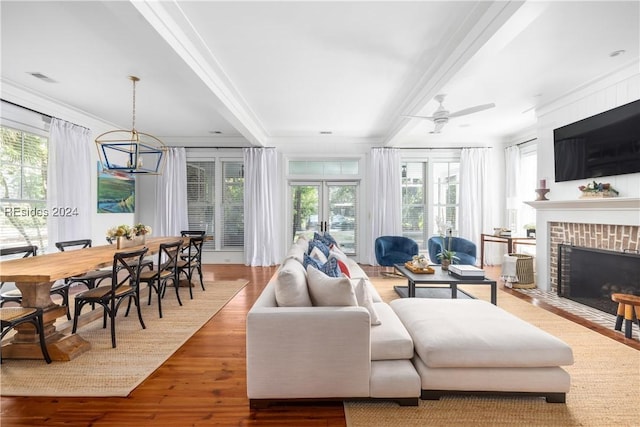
439, 126
472, 110
420, 117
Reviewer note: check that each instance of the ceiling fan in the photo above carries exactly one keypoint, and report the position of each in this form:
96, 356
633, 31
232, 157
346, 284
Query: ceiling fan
441, 116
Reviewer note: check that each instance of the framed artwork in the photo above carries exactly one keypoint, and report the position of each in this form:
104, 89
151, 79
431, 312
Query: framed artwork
116, 192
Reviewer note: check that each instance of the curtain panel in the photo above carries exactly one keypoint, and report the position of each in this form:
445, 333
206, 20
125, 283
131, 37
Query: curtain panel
386, 195
477, 211
68, 183
171, 215
263, 220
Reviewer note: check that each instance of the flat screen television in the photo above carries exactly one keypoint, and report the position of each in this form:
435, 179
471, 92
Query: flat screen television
602, 145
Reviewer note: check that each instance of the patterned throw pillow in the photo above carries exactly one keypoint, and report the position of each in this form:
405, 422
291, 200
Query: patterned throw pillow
307, 260
318, 244
330, 239
331, 268
318, 255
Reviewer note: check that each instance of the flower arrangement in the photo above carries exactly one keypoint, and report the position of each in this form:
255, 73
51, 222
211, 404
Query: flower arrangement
128, 232
120, 231
598, 189
140, 229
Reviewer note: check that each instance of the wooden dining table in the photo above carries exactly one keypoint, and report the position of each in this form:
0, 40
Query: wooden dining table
34, 277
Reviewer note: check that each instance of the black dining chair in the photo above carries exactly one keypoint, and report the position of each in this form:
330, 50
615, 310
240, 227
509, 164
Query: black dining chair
90, 279
191, 261
9, 292
166, 270
192, 233
125, 280
10, 317
146, 263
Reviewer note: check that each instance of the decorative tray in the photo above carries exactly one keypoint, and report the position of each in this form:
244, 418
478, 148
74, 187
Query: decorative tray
418, 270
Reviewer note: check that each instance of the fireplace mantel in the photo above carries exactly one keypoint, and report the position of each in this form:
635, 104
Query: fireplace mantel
602, 204
611, 211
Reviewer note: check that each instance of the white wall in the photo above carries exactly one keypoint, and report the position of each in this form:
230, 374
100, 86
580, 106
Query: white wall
610, 92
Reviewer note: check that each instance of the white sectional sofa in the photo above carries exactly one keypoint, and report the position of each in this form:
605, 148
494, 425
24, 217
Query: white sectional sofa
313, 338
299, 351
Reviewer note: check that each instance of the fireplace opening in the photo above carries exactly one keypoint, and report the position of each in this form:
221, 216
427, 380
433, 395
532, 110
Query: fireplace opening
589, 276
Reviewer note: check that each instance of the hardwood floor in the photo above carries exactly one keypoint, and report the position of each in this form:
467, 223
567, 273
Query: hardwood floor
203, 383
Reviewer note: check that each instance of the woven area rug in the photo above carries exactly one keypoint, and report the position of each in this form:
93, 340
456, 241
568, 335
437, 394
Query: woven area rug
107, 371
605, 383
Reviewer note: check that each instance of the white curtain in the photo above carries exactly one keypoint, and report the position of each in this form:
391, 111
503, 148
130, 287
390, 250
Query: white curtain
512, 177
69, 183
262, 218
386, 195
171, 195
476, 204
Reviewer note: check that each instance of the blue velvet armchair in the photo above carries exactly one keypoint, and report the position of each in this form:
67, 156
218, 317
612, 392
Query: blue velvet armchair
465, 249
394, 250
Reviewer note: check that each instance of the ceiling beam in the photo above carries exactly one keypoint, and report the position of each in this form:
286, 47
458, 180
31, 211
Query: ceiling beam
171, 24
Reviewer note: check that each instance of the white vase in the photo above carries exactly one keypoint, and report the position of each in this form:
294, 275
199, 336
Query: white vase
123, 243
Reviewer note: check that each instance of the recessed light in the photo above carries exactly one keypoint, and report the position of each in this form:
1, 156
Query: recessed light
326, 132
617, 53
43, 77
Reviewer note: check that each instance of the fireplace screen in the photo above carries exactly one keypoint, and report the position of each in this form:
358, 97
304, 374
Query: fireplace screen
589, 276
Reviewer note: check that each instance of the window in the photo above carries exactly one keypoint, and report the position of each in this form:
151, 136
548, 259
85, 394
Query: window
201, 198
233, 205
446, 197
23, 182
525, 214
414, 202
215, 201
418, 197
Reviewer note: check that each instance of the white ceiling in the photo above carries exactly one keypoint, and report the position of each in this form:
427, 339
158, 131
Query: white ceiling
264, 72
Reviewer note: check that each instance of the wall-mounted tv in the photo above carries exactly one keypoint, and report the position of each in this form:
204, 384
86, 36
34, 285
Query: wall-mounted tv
602, 145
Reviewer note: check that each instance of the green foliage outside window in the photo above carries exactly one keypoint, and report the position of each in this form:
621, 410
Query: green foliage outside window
23, 185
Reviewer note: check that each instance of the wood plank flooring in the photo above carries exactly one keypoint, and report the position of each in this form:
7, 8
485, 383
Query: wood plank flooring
204, 382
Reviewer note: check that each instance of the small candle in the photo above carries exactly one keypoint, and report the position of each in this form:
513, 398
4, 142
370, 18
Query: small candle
543, 183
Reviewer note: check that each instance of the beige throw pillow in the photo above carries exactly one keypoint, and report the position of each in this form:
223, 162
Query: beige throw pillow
291, 285
328, 291
365, 299
317, 254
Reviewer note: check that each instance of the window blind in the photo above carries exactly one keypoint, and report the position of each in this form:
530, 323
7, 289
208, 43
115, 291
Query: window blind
232, 205
23, 182
201, 198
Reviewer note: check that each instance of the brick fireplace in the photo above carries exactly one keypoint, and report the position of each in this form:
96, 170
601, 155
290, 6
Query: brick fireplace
612, 224
597, 236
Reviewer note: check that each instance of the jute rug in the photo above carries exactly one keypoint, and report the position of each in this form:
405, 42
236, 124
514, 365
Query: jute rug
107, 371
605, 383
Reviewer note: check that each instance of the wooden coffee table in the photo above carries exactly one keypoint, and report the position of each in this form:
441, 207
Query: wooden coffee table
443, 277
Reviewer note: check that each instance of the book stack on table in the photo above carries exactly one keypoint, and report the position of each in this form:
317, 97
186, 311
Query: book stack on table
466, 271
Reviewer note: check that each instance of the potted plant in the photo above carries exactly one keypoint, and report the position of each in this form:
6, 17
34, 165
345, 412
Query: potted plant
447, 256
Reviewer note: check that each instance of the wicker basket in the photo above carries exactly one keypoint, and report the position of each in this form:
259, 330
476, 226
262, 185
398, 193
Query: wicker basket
524, 271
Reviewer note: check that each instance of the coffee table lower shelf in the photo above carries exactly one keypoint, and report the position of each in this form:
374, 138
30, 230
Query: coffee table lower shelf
443, 278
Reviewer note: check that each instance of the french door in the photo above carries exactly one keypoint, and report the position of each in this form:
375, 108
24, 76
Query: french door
326, 206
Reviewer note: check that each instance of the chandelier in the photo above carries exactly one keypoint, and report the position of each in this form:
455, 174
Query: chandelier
130, 151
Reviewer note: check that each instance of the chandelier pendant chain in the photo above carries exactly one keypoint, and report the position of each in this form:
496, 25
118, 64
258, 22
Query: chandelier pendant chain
134, 79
